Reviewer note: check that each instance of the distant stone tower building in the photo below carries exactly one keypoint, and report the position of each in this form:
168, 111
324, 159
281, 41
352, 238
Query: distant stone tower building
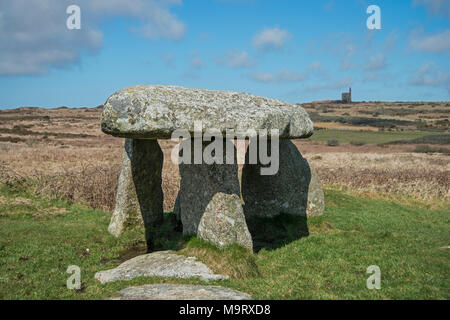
347, 96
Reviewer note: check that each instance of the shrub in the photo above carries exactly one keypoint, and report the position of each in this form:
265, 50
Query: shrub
357, 143
443, 139
333, 143
428, 149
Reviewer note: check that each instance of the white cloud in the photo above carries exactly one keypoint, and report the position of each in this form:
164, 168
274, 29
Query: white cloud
169, 60
316, 68
329, 6
391, 41
332, 86
430, 75
34, 37
435, 43
271, 38
441, 7
236, 59
279, 76
239, 59
347, 50
376, 63
197, 63
346, 65
339, 45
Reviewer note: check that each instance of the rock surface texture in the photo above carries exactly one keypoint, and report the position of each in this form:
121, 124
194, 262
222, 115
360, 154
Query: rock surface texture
209, 202
139, 195
316, 199
292, 190
180, 292
151, 111
159, 264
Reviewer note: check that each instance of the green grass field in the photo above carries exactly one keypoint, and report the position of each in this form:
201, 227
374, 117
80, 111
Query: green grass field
37, 246
369, 137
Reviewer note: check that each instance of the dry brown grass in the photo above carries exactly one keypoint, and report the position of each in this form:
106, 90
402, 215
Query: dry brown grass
93, 185
77, 175
340, 126
391, 110
424, 177
86, 169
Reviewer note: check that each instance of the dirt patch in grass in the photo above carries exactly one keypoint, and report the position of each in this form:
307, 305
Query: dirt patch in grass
323, 227
21, 201
52, 211
137, 249
17, 201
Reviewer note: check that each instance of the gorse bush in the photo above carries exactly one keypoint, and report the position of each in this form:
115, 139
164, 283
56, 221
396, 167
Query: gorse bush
333, 143
357, 143
428, 149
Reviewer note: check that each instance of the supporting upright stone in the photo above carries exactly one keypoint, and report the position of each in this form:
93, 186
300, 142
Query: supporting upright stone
139, 194
209, 202
316, 199
294, 189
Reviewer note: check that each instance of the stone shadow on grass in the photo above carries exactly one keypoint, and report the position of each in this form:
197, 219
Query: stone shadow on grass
276, 205
166, 237
286, 191
273, 233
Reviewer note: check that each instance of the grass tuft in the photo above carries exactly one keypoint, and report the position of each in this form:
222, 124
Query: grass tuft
234, 261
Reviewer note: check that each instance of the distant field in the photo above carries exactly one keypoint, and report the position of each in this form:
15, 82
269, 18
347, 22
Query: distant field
369, 137
421, 116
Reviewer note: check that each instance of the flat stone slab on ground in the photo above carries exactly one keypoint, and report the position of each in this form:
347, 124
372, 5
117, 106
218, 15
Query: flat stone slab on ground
181, 292
159, 264
155, 112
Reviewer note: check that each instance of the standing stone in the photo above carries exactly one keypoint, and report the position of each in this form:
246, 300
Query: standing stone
223, 222
209, 200
292, 190
139, 194
316, 199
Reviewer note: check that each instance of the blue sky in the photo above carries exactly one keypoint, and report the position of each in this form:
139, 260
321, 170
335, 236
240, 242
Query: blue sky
297, 51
